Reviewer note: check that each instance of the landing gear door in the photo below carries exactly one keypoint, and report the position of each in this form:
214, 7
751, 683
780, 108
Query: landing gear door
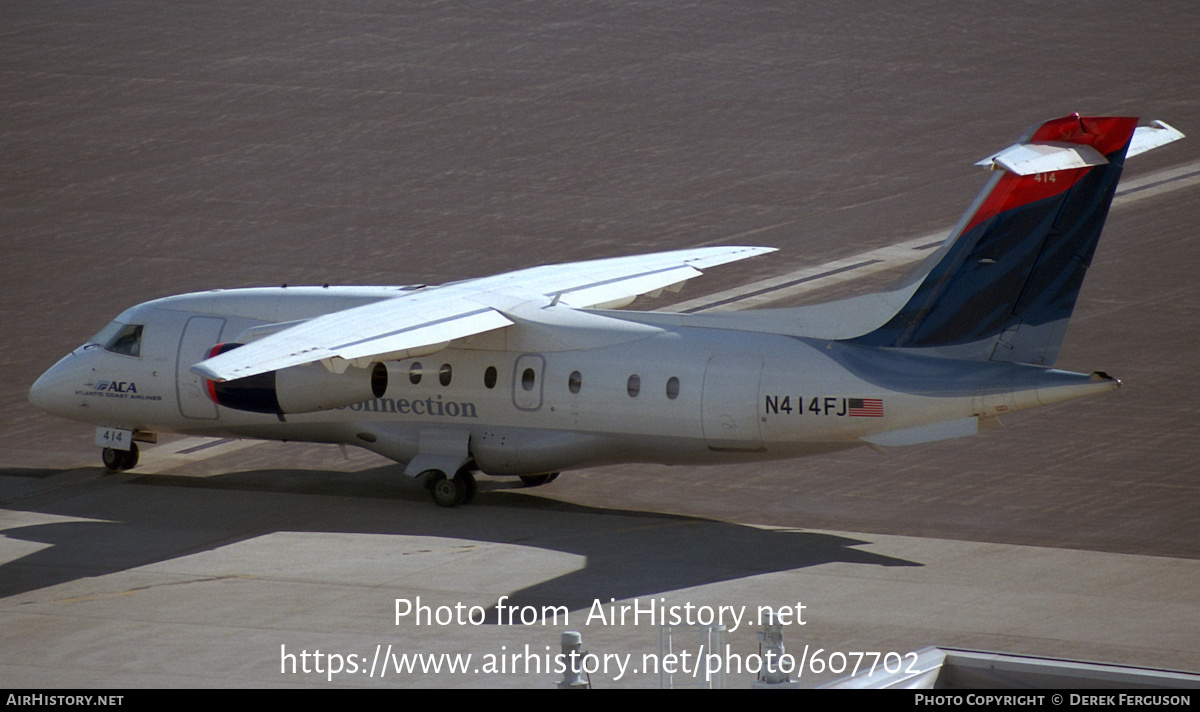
527, 382
199, 335
730, 403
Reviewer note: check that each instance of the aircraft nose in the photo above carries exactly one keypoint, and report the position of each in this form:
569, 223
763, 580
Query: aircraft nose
50, 392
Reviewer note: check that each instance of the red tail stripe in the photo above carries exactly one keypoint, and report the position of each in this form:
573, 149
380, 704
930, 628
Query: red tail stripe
1105, 134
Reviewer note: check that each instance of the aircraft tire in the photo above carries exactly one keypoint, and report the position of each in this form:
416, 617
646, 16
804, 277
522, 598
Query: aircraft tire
131, 457
113, 459
468, 480
119, 460
538, 480
446, 492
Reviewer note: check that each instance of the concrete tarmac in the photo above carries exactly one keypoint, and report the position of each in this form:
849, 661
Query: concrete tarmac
152, 149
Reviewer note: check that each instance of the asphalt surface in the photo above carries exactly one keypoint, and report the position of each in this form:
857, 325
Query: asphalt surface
158, 148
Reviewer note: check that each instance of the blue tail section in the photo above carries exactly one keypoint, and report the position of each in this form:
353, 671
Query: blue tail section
1007, 284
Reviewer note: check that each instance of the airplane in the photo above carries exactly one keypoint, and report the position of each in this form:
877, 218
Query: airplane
538, 371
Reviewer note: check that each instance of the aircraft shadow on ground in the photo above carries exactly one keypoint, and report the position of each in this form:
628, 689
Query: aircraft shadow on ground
145, 519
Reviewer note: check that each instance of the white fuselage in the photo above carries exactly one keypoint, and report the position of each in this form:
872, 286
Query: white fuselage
567, 389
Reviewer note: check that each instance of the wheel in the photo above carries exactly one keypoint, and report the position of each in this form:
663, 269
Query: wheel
468, 480
118, 460
446, 492
538, 480
131, 457
113, 459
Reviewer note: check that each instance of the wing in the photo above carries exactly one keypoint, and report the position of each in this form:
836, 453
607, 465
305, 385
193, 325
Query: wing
427, 320
618, 280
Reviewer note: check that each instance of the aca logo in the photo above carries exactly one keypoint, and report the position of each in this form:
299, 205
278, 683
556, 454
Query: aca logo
116, 386
114, 389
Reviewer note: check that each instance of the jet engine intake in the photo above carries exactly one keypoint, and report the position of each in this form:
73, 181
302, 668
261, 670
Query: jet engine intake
299, 389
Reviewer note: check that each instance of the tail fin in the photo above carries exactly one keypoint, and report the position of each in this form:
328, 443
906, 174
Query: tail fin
1006, 285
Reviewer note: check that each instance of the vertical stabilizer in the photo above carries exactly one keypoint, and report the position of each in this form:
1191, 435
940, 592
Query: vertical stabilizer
1007, 284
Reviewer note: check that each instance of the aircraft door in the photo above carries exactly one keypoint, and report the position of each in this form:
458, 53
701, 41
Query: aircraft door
200, 334
730, 403
527, 382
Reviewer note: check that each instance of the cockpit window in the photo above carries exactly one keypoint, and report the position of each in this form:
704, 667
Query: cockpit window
105, 335
127, 341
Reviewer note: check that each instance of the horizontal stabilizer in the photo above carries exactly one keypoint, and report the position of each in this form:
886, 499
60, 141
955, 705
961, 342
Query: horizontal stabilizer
1026, 159
1157, 134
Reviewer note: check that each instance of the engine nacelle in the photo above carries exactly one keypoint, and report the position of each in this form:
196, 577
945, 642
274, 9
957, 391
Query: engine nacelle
299, 389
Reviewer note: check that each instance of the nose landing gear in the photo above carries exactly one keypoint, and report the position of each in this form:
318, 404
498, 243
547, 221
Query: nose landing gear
120, 460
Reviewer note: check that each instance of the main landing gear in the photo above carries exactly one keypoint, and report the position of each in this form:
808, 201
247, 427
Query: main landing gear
539, 480
118, 460
460, 489
450, 492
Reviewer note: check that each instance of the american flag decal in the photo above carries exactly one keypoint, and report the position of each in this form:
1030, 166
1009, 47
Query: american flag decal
866, 407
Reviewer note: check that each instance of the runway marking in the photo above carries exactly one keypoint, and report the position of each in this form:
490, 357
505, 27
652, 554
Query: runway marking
1164, 181
191, 449
204, 446
793, 283
810, 279
138, 589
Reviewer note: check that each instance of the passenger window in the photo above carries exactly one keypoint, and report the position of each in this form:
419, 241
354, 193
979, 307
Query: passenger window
634, 385
575, 381
414, 373
489, 377
127, 341
672, 388
528, 379
444, 374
